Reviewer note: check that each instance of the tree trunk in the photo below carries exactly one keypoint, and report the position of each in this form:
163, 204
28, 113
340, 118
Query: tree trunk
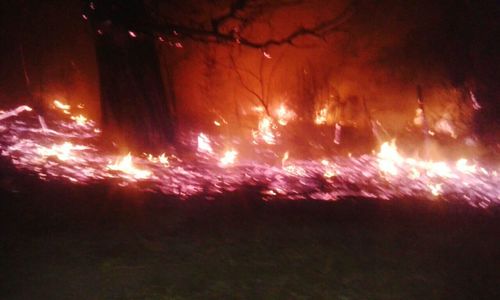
136, 113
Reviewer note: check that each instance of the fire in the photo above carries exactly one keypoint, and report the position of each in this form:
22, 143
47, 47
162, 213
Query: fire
68, 152
321, 116
329, 169
436, 189
265, 131
204, 144
389, 158
284, 115
228, 158
14, 112
63, 152
463, 166
284, 159
258, 109
62, 106
291, 168
162, 159
80, 120
126, 165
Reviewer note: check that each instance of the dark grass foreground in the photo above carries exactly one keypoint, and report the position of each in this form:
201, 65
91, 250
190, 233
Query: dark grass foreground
61, 241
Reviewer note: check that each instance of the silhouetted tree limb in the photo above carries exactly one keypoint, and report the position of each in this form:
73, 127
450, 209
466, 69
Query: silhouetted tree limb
215, 34
244, 12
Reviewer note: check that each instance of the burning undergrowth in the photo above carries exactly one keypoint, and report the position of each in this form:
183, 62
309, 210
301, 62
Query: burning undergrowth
70, 148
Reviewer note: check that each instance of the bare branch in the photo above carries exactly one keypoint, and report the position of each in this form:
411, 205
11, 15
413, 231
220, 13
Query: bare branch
237, 6
215, 35
260, 97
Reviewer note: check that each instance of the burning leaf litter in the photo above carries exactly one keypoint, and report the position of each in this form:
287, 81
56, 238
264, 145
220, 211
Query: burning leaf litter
69, 150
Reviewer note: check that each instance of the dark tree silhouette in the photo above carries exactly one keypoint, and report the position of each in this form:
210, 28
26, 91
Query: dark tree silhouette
136, 111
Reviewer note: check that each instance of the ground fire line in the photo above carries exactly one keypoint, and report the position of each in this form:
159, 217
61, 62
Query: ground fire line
68, 148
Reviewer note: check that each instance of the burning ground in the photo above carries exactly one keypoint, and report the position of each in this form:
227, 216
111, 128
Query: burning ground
69, 147
102, 241
234, 216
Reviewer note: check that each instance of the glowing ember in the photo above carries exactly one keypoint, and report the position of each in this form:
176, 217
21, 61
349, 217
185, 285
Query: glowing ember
162, 159
321, 116
329, 169
63, 152
228, 158
284, 115
265, 131
338, 134
14, 112
204, 144
436, 189
388, 158
258, 109
80, 120
62, 106
69, 151
284, 159
126, 166
463, 166
475, 103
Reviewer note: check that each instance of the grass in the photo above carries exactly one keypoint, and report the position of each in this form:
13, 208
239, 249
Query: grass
63, 241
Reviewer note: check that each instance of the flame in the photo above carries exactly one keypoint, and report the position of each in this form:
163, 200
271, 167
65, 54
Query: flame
68, 152
284, 115
265, 131
80, 120
258, 109
62, 106
388, 158
436, 189
295, 170
284, 159
228, 158
162, 159
126, 165
321, 116
204, 144
329, 169
14, 112
463, 166
63, 152
475, 103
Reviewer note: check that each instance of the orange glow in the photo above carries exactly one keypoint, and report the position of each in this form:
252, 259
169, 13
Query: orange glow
63, 151
321, 116
62, 106
284, 159
67, 151
284, 115
79, 119
388, 158
265, 131
162, 159
126, 165
436, 189
204, 144
228, 158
